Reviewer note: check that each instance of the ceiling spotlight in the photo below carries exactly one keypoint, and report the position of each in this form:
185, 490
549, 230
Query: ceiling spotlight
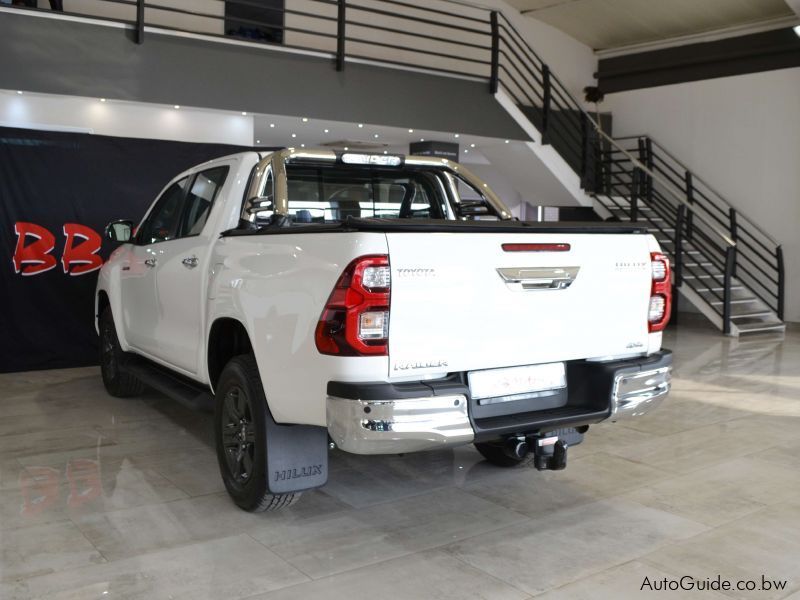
360, 125
386, 152
272, 124
177, 107
421, 139
472, 145
376, 135
244, 113
508, 141
294, 135
305, 119
325, 130
457, 135
258, 141
19, 91
346, 148
410, 131
466, 151
302, 145
102, 99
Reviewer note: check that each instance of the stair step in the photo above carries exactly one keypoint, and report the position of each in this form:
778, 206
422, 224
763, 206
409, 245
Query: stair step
761, 327
737, 301
752, 315
734, 288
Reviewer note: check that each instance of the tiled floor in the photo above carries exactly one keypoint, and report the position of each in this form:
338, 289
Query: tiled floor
107, 498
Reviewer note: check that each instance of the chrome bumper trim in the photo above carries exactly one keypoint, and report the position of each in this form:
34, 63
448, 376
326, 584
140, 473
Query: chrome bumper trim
636, 393
397, 426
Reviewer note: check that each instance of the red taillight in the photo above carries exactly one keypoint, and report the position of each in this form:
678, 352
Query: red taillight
355, 320
536, 247
658, 310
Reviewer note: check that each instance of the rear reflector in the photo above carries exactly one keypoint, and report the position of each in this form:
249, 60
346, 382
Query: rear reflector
536, 247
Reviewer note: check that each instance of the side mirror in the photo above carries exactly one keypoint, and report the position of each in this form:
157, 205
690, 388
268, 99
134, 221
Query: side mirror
120, 231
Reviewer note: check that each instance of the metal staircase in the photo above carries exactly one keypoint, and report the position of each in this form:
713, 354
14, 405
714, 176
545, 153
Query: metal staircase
723, 263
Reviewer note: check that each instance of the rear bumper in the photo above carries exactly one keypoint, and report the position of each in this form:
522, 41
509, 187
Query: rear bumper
386, 418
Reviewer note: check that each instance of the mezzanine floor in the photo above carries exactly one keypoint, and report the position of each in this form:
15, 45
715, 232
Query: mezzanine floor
105, 498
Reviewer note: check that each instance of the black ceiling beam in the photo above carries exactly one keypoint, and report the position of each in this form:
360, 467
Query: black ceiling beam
753, 53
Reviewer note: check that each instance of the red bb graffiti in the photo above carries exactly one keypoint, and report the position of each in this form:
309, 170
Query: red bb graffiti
32, 258
32, 254
81, 258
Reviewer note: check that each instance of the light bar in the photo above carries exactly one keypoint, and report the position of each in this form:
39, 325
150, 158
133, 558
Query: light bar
383, 160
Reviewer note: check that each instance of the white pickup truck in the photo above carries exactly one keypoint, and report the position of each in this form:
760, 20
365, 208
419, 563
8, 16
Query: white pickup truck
380, 304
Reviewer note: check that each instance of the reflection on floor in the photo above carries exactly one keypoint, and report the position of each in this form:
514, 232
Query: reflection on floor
105, 498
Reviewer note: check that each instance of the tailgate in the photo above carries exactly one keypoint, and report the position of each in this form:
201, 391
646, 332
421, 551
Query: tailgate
461, 302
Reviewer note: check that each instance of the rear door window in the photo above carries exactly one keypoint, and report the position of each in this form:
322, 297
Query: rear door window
200, 199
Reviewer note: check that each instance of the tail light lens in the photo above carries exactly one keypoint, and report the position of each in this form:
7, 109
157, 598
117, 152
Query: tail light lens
355, 320
660, 292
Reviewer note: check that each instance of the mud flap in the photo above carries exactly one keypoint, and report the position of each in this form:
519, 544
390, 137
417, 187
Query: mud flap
297, 457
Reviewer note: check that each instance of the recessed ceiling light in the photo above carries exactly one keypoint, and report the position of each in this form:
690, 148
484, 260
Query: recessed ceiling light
508, 141
302, 145
410, 131
466, 151
472, 145
177, 107
272, 124
305, 119
457, 135
244, 113
325, 130
421, 139
258, 141
102, 99
346, 148
19, 91
386, 152
376, 135
360, 124
294, 135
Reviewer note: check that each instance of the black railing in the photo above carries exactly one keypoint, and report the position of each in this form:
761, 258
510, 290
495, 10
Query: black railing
758, 258
640, 181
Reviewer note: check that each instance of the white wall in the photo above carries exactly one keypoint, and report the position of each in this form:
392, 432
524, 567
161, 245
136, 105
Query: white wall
742, 136
123, 119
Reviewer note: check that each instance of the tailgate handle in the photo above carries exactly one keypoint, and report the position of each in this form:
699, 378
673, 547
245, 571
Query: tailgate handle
530, 279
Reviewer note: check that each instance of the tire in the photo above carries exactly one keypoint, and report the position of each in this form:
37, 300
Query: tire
240, 427
494, 453
117, 381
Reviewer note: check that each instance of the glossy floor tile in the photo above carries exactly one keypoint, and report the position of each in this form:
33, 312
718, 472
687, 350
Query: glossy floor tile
104, 498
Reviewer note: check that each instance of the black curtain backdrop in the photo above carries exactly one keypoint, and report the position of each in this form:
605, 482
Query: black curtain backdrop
61, 189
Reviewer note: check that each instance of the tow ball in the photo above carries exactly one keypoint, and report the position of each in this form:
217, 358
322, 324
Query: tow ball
549, 448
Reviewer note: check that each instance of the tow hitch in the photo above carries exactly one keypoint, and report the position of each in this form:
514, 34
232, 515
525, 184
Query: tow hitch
549, 448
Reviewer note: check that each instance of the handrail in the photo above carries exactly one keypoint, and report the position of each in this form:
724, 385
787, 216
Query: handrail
599, 130
714, 191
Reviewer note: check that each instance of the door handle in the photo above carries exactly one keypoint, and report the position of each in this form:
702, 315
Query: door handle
150, 262
190, 262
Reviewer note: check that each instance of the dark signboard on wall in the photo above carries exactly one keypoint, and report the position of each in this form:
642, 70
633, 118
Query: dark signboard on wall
439, 149
57, 192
